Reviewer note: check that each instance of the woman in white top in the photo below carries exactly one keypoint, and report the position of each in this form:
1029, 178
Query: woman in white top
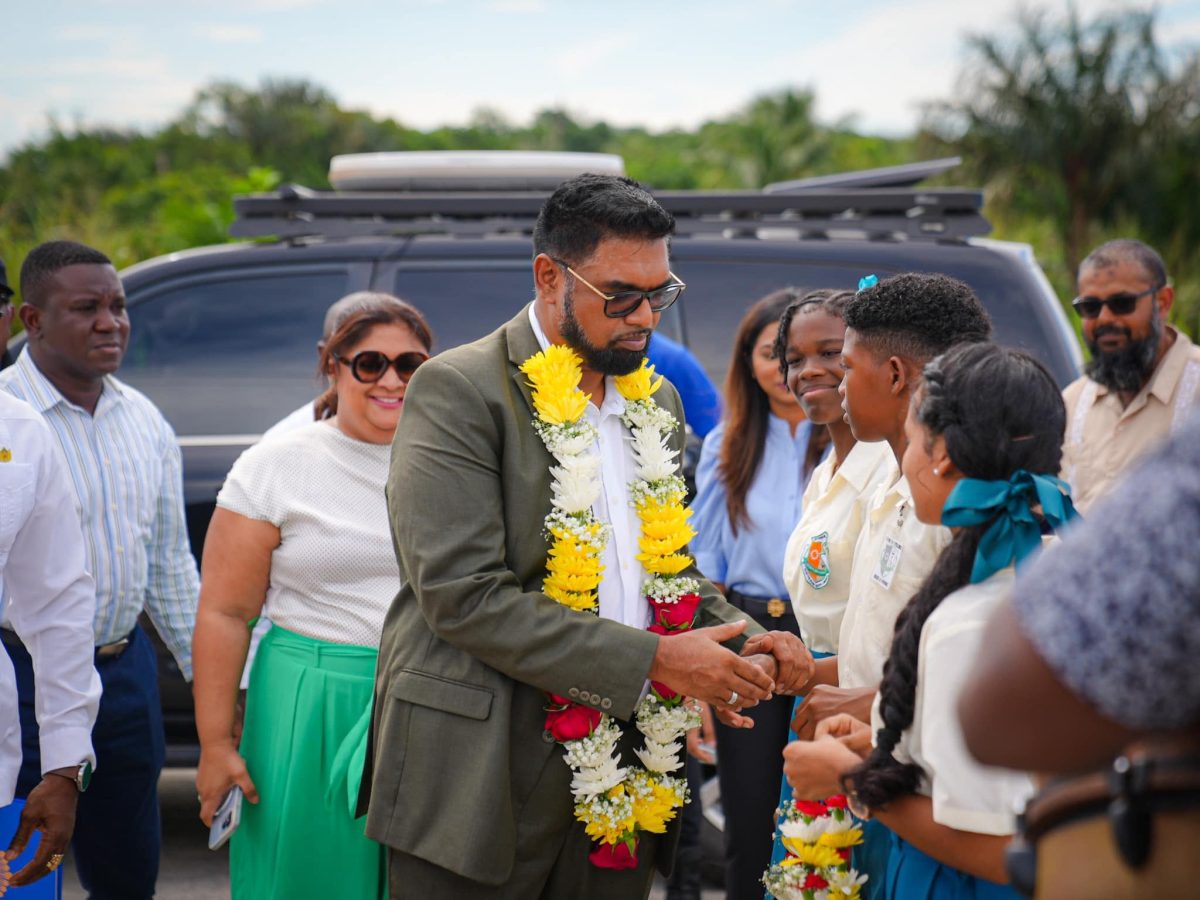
301, 532
985, 436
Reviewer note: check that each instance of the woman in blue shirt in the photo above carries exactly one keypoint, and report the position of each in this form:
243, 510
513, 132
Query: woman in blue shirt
749, 485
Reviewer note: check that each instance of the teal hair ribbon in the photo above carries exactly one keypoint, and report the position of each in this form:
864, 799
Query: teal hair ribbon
1015, 532
867, 281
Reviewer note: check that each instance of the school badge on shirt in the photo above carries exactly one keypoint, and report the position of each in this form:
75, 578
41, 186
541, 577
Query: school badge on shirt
816, 563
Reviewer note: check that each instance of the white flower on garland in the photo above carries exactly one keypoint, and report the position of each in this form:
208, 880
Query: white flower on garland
575, 484
800, 830
568, 440
842, 884
591, 781
669, 590
664, 724
658, 757
653, 456
837, 826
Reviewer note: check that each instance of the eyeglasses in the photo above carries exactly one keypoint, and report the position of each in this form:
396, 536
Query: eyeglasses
623, 303
371, 365
1119, 304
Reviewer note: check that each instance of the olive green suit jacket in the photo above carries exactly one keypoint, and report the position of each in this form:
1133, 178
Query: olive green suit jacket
470, 643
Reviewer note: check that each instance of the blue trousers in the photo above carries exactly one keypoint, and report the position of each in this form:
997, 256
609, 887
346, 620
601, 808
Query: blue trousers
118, 833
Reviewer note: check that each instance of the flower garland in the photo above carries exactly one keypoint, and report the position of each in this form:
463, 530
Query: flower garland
818, 837
616, 802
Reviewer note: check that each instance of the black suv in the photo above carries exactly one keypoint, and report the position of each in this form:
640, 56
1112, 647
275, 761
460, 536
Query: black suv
223, 338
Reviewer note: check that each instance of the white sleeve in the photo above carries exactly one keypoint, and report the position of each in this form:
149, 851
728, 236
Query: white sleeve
52, 605
251, 489
966, 795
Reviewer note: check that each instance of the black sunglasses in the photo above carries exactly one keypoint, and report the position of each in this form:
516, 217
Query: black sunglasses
370, 365
623, 303
1119, 304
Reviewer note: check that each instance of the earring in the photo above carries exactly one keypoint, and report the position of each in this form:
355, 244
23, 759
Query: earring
937, 471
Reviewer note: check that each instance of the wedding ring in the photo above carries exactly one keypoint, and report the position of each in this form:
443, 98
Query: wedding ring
53, 862
733, 698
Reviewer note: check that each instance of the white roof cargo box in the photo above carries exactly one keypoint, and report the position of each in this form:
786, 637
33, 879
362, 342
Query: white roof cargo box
441, 170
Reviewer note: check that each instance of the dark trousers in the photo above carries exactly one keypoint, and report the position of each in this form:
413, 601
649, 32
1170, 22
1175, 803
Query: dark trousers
749, 765
685, 880
117, 828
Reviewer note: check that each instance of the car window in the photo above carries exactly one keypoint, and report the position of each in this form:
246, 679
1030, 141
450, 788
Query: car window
249, 338
464, 304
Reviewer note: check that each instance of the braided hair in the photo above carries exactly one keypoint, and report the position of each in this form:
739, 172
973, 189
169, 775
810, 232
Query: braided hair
998, 410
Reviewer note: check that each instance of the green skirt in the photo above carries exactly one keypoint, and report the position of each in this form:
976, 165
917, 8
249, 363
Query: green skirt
307, 701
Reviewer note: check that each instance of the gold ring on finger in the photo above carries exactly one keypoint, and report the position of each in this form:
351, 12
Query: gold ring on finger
53, 862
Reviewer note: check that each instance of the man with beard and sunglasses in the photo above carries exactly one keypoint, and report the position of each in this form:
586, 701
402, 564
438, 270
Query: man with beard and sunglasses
465, 782
1142, 379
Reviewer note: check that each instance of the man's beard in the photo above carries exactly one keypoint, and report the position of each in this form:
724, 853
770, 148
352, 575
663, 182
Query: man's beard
605, 360
1124, 370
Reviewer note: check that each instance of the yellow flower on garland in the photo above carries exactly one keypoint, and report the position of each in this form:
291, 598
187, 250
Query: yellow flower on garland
573, 572
665, 565
554, 378
810, 854
665, 529
654, 811
840, 840
603, 829
639, 385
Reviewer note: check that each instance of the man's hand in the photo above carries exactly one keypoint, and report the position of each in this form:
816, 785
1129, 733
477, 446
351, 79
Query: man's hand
694, 663
814, 768
49, 809
824, 701
796, 666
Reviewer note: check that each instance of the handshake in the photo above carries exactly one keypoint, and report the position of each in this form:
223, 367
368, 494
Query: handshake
694, 663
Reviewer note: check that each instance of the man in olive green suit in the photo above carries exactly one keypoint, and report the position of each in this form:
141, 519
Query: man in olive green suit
463, 785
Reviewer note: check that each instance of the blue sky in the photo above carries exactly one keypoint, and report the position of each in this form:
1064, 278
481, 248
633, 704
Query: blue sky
136, 63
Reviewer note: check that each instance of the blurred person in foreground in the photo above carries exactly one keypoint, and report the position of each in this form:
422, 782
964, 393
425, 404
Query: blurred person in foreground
301, 530
49, 601
125, 469
1143, 379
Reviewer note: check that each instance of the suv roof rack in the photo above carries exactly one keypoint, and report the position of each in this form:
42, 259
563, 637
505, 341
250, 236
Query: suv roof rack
295, 212
475, 193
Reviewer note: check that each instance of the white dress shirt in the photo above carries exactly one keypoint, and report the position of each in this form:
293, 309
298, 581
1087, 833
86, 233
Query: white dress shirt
124, 464
52, 599
620, 590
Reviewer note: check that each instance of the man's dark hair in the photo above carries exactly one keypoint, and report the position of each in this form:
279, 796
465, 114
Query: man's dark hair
46, 259
589, 208
917, 316
1128, 250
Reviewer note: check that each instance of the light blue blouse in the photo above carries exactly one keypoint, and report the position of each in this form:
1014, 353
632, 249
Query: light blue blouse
751, 562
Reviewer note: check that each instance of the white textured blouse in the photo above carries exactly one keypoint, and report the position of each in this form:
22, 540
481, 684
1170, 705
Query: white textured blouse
966, 795
334, 574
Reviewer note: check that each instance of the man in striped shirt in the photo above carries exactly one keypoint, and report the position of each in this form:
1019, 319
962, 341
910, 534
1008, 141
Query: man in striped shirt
125, 468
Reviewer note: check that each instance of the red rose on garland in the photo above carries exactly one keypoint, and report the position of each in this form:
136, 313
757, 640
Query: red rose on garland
814, 882
837, 801
614, 856
811, 808
678, 615
573, 722
665, 691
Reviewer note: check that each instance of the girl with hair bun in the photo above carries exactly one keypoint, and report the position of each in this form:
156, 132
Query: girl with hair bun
301, 531
985, 431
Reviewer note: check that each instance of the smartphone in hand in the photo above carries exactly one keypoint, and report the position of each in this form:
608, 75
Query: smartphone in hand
226, 819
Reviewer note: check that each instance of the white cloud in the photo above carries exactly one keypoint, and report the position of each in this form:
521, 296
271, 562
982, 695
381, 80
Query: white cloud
229, 33
589, 55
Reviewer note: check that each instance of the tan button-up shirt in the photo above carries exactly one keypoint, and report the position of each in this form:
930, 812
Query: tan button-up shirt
1104, 439
894, 553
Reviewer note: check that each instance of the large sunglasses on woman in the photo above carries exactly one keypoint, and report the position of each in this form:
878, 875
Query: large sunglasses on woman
370, 365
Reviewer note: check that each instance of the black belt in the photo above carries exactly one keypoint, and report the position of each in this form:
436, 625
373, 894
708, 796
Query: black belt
104, 652
773, 607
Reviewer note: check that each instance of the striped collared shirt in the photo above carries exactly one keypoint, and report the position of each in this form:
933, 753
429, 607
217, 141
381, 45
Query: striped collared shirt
126, 468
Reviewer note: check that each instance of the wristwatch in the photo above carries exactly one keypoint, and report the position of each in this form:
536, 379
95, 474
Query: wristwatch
81, 775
